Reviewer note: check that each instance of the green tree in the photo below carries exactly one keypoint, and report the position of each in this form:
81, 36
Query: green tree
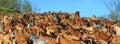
16, 5
26, 6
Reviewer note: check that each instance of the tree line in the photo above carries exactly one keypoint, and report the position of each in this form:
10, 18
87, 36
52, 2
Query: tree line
16, 5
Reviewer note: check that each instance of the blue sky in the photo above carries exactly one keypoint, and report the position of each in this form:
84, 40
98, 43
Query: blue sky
86, 7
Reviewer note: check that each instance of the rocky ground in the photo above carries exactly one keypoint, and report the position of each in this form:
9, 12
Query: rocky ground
57, 28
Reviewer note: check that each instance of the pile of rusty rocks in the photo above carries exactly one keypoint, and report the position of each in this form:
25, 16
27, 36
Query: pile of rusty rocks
57, 28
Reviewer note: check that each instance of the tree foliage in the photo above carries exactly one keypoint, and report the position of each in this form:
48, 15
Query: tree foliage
16, 5
26, 7
114, 8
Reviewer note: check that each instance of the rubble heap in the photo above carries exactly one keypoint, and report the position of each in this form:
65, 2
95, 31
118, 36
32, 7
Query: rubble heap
57, 28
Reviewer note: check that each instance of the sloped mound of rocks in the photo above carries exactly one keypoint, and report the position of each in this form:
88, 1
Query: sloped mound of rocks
57, 28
